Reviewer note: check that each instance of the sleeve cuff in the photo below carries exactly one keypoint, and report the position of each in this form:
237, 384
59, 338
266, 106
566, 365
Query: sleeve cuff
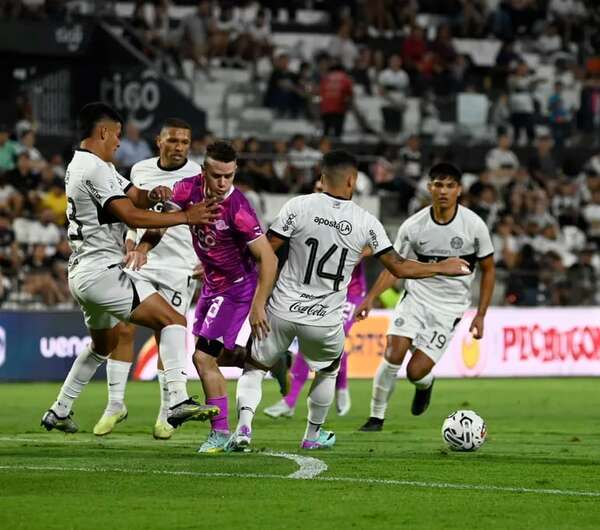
383, 251
479, 258
128, 187
111, 199
277, 234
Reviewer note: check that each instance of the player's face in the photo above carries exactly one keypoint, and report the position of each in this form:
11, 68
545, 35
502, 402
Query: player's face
174, 145
110, 133
218, 176
444, 192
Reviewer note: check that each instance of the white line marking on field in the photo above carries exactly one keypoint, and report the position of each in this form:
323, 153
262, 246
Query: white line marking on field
355, 480
309, 467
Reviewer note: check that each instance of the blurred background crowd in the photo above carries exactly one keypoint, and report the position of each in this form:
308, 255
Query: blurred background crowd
508, 90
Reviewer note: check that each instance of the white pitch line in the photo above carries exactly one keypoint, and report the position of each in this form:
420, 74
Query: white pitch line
355, 480
309, 467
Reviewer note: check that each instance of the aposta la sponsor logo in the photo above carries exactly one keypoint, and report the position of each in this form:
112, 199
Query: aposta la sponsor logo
63, 347
550, 344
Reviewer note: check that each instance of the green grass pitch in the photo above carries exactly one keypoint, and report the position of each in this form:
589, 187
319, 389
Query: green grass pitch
539, 469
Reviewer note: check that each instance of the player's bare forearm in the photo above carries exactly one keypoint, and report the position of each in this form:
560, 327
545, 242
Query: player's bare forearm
384, 281
267, 269
150, 239
147, 199
415, 270
487, 284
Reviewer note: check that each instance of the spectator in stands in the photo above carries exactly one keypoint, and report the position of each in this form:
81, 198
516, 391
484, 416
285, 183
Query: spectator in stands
500, 113
303, 160
342, 48
471, 21
591, 214
543, 166
55, 200
589, 108
259, 38
484, 202
501, 161
559, 116
57, 164
361, 73
133, 148
549, 43
281, 167
506, 246
27, 144
583, 278
60, 264
506, 59
8, 149
568, 14
443, 59
197, 32
258, 168
522, 287
393, 84
380, 18
522, 107
414, 48
38, 280
282, 93
336, 91
24, 180
44, 230
11, 200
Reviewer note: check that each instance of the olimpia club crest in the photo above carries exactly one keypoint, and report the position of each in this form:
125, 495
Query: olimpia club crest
456, 242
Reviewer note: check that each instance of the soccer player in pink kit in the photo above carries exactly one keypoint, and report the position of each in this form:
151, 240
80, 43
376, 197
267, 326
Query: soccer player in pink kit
357, 290
233, 289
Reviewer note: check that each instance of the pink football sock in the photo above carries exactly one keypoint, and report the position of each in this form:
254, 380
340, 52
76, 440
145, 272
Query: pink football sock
219, 422
342, 378
299, 373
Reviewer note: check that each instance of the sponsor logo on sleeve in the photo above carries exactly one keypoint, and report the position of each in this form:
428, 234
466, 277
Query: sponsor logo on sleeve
289, 222
90, 186
374, 240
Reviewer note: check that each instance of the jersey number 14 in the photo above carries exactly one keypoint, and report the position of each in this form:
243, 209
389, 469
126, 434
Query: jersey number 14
337, 277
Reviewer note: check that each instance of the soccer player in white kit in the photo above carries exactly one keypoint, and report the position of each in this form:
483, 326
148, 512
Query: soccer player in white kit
169, 266
327, 233
101, 204
426, 316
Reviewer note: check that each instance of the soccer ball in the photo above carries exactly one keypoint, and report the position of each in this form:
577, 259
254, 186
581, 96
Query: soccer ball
464, 430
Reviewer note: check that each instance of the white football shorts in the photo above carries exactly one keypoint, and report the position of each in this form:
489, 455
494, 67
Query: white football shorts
320, 345
430, 331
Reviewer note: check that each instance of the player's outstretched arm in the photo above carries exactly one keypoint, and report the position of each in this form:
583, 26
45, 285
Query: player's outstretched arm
384, 281
205, 212
488, 281
146, 199
267, 270
407, 268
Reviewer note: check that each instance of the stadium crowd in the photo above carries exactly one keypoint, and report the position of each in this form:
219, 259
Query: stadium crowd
544, 213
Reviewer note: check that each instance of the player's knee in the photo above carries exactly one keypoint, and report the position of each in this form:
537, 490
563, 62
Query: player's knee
171, 318
126, 332
392, 356
204, 363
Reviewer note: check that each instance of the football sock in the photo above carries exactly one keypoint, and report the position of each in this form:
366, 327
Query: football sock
341, 382
220, 422
116, 378
384, 383
248, 395
319, 400
164, 397
299, 373
79, 375
173, 355
425, 382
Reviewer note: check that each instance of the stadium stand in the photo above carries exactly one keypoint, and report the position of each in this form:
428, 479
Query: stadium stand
507, 90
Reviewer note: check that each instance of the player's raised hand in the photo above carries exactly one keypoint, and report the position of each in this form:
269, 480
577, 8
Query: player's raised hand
454, 267
258, 322
160, 194
476, 328
362, 310
203, 213
134, 260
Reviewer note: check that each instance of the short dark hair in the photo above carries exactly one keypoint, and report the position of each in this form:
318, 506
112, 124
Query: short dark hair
445, 170
91, 114
221, 151
176, 123
338, 158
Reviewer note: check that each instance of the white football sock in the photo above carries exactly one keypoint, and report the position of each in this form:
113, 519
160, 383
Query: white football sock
424, 382
173, 354
116, 378
384, 384
79, 375
164, 397
320, 398
248, 395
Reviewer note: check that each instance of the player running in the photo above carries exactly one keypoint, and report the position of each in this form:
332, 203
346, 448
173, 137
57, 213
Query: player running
233, 289
327, 233
169, 266
357, 290
100, 205
426, 317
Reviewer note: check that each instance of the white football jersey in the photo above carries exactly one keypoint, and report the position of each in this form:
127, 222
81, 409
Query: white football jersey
327, 236
95, 235
174, 252
421, 237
